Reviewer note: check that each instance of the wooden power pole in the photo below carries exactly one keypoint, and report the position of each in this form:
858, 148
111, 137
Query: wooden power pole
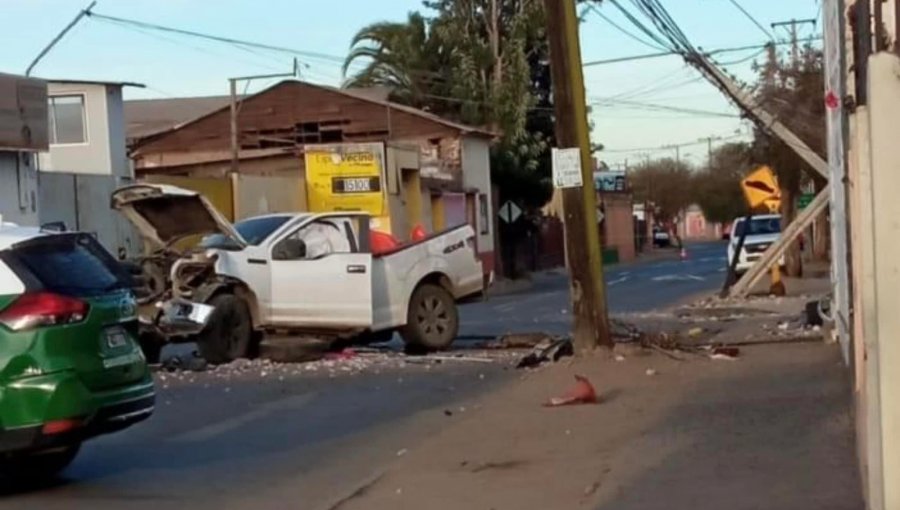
591, 324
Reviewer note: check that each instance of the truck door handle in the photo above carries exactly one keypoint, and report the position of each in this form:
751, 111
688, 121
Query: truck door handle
356, 269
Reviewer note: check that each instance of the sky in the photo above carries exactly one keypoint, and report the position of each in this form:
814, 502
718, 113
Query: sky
175, 66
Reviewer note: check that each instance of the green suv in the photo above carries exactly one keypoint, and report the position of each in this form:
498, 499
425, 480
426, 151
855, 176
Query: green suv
70, 366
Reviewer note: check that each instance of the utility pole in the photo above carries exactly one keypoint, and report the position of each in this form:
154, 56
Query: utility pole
795, 47
235, 108
709, 140
591, 323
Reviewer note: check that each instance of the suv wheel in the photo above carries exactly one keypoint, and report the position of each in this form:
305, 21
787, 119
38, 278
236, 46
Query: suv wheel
228, 334
432, 321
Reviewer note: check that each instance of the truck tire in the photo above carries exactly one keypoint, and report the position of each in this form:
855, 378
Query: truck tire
151, 346
229, 332
432, 320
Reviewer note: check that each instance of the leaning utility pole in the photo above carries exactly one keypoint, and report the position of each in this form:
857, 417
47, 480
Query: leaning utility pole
591, 324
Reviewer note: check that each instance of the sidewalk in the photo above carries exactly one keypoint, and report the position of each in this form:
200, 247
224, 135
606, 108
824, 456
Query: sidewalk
770, 430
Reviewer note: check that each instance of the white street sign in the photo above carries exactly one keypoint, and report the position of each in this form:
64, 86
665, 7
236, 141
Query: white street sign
510, 212
567, 168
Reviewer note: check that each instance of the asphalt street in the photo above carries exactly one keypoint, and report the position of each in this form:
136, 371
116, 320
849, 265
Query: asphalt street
633, 288
305, 441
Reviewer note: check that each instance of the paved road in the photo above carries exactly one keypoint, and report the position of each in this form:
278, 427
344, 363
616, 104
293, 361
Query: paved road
259, 442
638, 287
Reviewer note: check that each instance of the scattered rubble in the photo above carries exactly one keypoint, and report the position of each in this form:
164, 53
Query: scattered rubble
550, 349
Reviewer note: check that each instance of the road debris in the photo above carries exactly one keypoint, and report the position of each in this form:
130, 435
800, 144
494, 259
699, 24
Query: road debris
551, 349
582, 393
651, 372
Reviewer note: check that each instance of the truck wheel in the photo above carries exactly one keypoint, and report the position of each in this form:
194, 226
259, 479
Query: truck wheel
432, 321
38, 466
228, 333
151, 346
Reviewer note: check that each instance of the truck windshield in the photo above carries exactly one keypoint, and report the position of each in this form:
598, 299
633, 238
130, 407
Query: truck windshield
252, 230
759, 226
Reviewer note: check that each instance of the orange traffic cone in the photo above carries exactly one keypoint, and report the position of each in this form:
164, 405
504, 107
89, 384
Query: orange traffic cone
582, 393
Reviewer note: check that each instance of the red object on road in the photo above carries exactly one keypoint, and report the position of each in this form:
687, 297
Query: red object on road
582, 393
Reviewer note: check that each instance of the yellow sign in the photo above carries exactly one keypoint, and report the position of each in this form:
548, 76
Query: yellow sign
761, 189
345, 177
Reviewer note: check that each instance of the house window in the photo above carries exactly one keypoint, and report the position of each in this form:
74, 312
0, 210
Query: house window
67, 119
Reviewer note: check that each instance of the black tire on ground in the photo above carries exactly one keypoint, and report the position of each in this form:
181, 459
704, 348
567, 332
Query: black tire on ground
151, 346
38, 466
432, 320
229, 333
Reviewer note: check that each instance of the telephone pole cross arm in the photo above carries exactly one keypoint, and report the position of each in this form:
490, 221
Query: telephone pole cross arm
591, 324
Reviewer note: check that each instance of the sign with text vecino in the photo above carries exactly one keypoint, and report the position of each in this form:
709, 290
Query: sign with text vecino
345, 177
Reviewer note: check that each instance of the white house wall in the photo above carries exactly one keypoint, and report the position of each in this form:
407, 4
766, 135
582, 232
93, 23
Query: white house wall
476, 164
94, 155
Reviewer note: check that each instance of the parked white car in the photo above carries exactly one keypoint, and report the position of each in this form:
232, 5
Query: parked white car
303, 272
762, 232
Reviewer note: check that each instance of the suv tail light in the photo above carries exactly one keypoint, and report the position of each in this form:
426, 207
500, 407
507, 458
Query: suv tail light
36, 309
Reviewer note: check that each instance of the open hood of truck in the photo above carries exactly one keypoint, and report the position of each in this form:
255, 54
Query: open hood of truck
164, 214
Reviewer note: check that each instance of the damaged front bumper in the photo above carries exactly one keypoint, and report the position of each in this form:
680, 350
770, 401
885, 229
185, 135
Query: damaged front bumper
177, 318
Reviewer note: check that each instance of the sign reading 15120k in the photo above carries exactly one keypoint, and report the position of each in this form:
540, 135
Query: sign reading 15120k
345, 177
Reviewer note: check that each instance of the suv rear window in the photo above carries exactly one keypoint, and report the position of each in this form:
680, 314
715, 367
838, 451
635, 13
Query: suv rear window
73, 264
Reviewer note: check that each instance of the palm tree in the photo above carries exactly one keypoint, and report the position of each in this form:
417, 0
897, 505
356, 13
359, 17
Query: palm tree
399, 55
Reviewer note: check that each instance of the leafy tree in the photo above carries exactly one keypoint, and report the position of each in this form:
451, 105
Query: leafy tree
667, 185
481, 62
403, 56
792, 91
716, 189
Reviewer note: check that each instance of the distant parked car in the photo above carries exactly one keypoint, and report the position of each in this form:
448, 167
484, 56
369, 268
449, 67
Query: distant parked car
661, 238
762, 232
70, 364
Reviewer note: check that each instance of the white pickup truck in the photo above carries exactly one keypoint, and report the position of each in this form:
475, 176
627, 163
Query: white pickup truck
310, 273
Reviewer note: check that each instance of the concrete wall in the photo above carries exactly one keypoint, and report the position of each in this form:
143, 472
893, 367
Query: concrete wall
880, 302
82, 203
476, 165
104, 126
18, 188
256, 195
617, 230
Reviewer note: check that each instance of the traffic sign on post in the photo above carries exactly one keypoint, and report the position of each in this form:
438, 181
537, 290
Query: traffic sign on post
510, 212
761, 189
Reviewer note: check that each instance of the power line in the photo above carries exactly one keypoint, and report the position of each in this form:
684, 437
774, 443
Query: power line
661, 107
227, 40
597, 11
706, 53
751, 18
671, 145
636, 22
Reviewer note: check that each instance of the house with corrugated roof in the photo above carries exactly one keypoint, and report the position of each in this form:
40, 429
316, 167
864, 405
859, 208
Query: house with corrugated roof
436, 171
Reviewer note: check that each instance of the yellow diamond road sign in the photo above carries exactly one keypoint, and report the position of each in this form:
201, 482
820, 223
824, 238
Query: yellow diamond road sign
761, 189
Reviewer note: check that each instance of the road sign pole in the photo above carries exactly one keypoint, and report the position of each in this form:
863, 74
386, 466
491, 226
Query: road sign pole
591, 325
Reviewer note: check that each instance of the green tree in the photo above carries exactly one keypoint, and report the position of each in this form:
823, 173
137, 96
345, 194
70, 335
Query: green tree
717, 188
481, 62
792, 91
403, 56
667, 185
